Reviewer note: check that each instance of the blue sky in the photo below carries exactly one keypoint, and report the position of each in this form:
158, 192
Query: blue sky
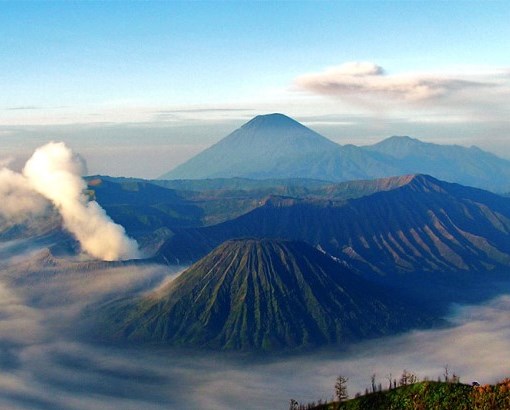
179, 75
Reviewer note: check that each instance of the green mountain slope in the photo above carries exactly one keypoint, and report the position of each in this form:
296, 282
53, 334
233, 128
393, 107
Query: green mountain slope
427, 395
261, 295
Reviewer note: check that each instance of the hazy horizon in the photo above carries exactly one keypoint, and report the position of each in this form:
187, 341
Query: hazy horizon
138, 89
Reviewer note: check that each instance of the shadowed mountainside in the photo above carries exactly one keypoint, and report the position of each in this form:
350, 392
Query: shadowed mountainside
413, 223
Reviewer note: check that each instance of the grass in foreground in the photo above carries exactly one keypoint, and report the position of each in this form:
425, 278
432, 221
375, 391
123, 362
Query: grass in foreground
426, 395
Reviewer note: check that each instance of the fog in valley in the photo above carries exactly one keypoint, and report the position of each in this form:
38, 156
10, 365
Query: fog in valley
47, 361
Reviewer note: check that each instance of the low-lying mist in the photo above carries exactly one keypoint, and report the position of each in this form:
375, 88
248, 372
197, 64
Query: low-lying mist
46, 364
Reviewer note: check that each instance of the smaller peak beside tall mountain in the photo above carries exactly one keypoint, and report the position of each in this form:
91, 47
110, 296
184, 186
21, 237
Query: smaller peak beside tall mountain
403, 146
397, 145
261, 294
452, 163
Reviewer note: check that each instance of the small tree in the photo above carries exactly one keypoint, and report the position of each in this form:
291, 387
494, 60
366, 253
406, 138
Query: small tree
407, 378
293, 404
341, 388
390, 378
404, 378
446, 373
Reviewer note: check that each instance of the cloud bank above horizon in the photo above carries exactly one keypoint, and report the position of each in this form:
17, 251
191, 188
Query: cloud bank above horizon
362, 82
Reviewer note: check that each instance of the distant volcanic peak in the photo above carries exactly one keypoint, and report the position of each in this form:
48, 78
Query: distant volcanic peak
268, 146
400, 141
279, 126
400, 146
404, 138
275, 120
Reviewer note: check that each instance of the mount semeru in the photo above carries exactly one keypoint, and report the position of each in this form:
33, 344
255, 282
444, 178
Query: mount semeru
261, 295
276, 146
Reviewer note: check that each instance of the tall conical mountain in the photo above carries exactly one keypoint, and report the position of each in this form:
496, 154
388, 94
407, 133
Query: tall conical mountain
276, 146
261, 294
254, 149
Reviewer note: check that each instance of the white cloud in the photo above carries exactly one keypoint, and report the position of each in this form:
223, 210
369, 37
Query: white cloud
365, 81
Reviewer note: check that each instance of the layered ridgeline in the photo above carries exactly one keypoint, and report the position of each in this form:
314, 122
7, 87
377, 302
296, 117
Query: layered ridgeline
276, 146
412, 223
263, 295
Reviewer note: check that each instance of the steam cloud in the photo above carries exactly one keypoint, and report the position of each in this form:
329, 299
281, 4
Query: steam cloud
54, 172
18, 201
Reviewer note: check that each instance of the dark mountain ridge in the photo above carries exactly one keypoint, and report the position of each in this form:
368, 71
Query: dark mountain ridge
414, 223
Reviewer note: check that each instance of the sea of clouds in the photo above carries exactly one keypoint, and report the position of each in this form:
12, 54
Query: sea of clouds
46, 361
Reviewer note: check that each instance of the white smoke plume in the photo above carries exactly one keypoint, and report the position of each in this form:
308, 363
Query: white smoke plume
55, 172
18, 201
